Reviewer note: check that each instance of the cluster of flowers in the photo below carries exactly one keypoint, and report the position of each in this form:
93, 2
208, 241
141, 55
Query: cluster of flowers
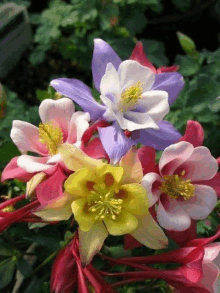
99, 166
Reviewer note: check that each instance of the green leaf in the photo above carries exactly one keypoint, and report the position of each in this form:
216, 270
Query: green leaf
42, 95
7, 267
36, 225
117, 251
182, 5
34, 285
215, 106
136, 23
203, 93
155, 52
6, 252
188, 65
24, 267
8, 151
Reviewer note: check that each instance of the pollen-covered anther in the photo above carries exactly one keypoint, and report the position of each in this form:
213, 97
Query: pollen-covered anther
175, 186
130, 97
51, 136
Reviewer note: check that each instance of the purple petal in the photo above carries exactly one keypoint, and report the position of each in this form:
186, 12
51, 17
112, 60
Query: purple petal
102, 55
171, 82
114, 141
159, 139
80, 93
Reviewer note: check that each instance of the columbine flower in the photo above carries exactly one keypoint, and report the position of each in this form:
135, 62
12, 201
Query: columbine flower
178, 186
105, 199
126, 105
129, 99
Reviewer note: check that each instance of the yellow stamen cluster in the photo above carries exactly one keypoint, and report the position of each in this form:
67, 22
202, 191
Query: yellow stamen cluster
51, 136
101, 200
174, 186
130, 97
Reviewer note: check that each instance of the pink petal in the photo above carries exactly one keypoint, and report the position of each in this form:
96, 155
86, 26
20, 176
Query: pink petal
201, 204
52, 188
194, 133
78, 124
12, 171
173, 218
26, 137
210, 278
139, 56
95, 150
212, 251
214, 183
149, 181
60, 111
33, 164
173, 156
94, 129
147, 157
200, 165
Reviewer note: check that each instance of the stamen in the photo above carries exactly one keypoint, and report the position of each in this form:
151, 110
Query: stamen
130, 97
51, 136
174, 186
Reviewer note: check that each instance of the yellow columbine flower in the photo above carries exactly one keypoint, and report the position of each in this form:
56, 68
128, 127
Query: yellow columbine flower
100, 195
104, 199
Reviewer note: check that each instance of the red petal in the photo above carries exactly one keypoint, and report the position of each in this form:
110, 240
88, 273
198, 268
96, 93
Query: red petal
139, 56
194, 133
146, 155
95, 149
163, 69
130, 242
12, 171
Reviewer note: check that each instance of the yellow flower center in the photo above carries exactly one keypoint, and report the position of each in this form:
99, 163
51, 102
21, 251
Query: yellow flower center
130, 97
51, 136
174, 186
103, 199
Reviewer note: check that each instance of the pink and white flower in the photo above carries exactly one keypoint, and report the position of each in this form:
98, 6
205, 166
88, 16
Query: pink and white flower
178, 187
60, 124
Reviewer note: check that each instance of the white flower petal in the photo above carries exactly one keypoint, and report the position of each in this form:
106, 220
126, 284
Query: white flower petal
55, 159
77, 126
91, 242
212, 251
155, 103
33, 164
130, 72
175, 218
26, 137
148, 180
173, 156
110, 83
60, 111
203, 202
63, 213
149, 233
136, 120
201, 165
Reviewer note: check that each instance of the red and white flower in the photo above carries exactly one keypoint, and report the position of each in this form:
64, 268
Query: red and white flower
178, 185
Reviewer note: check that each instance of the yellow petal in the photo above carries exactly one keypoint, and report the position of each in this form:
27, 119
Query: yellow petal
33, 182
131, 164
57, 210
135, 198
76, 183
84, 218
91, 242
124, 223
149, 233
55, 214
116, 172
76, 159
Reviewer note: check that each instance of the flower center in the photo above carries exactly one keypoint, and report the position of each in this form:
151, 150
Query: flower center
130, 97
51, 136
174, 186
102, 199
